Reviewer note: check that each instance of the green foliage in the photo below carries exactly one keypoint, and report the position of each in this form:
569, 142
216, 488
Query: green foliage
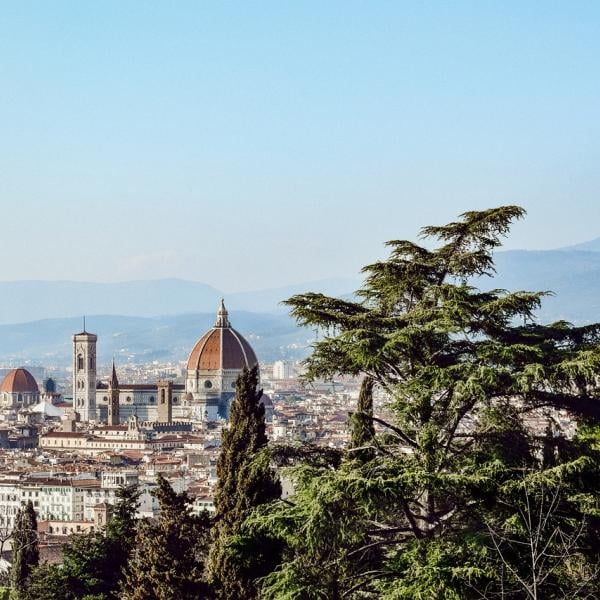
324, 520
168, 557
25, 546
546, 540
363, 430
449, 568
414, 518
245, 481
92, 563
5, 593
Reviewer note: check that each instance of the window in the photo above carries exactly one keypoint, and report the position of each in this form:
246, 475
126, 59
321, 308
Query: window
80, 362
151, 399
207, 384
162, 396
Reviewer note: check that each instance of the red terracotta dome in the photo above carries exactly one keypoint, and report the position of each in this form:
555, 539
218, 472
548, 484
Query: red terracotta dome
19, 381
221, 348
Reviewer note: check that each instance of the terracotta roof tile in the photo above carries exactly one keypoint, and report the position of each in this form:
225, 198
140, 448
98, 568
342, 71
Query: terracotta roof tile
19, 381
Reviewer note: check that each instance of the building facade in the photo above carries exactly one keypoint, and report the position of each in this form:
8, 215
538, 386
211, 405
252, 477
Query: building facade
213, 367
67, 505
282, 369
84, 375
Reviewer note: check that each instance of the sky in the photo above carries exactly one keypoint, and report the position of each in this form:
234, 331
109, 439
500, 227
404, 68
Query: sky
256, 144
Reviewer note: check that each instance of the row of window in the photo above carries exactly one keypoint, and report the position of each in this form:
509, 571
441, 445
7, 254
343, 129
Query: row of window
9, 510
208, 384
8, 497
151, 400
81, 362
63, 530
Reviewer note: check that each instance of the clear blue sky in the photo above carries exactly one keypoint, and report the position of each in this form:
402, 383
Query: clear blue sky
252, 144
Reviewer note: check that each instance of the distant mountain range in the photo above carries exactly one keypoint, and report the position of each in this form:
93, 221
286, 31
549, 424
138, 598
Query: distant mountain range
22, 301
591, 246
145, 339
162, 319
571, 274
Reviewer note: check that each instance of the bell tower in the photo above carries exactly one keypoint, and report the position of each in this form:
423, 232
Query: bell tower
113, 398
84, 375
165, 401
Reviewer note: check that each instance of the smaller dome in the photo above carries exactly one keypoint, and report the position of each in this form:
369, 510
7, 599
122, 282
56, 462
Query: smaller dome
19, 381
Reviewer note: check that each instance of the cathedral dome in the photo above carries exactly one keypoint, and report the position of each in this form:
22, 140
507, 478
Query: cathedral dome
19, 381
221, 348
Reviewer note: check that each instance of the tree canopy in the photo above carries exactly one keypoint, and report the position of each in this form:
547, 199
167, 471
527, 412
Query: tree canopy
245, 481
168, 556
466, 372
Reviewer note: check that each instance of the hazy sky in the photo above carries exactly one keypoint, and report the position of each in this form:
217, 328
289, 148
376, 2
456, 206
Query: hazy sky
254, 144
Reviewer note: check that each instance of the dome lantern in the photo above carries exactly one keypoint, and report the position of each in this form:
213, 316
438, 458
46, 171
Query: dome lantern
222, 316
221, 348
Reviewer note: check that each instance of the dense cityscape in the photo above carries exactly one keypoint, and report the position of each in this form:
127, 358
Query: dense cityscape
299, 300
70, 462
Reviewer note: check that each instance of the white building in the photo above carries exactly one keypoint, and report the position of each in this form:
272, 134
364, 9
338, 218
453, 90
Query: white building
59, 500
282, 369
69, 504
10, 502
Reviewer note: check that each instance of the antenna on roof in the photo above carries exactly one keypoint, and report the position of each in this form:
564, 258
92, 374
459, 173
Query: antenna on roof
84, 324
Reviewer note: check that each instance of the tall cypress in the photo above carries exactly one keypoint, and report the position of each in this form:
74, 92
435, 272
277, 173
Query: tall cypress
245, 481
25, 546
363, 430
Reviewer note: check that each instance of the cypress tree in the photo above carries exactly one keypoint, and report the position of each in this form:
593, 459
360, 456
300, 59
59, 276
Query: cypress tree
363, 430
168, 560
245, 481
24, 546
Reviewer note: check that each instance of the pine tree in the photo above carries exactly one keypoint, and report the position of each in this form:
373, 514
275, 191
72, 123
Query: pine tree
168, 560
245, 481
462, 368
25, 547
